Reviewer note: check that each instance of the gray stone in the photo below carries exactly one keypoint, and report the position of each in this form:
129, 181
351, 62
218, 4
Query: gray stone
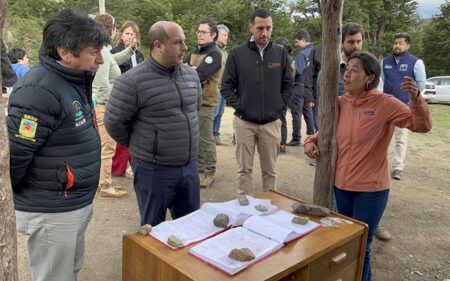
244, 254
145, 229
243, 201
261, 208
174, 241
310, 209
221, 220
300, 220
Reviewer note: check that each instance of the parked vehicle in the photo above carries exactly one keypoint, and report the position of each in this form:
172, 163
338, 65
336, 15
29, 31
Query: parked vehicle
437, 89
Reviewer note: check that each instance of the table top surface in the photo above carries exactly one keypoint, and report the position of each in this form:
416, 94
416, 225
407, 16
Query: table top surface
291, 257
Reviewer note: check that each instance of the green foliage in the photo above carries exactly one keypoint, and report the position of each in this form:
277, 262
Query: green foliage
381, 20
436, 43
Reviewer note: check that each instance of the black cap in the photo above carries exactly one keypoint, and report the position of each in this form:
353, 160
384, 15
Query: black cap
302, 34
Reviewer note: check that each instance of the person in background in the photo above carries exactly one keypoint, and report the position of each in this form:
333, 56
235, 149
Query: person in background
312, 81
362, 182
20, 61
129, 32
285, 43
101, 90
153, 111
9, 77
55, 145
393, 68
257, 100
207, 61
301, 103
222, 42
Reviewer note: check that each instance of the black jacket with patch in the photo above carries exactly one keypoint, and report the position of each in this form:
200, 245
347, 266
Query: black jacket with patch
54, 142
257, 88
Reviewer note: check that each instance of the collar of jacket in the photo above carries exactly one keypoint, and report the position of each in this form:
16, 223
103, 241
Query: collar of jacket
72, 75
252, 45
205, 48
157, 67
365, 97
221, 45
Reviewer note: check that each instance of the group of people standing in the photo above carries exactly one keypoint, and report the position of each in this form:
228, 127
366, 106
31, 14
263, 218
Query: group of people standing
67, 115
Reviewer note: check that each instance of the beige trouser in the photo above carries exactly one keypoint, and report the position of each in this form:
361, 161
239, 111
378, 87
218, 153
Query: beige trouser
108, 149
401, 145
267, 137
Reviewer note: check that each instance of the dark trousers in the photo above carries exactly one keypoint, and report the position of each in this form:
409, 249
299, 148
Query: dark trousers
315, 111
367, 207
283, 126
159, 188
299, 107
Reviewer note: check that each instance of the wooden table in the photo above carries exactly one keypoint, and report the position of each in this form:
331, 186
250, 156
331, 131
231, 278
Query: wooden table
327, 254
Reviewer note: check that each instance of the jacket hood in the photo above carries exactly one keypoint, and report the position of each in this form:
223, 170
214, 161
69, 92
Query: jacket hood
72, 75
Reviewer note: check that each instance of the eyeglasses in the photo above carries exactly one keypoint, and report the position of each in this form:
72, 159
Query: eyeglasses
202, 32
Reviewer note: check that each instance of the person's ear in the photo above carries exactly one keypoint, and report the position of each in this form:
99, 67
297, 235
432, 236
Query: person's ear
250, 27
65, 55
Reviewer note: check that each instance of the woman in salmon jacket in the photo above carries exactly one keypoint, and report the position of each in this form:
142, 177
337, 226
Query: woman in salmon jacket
367, 119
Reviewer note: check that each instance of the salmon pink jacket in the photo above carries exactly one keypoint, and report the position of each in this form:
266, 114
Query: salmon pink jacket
365, 128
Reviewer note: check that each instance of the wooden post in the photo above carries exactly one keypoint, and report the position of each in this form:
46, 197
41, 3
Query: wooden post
101, 6
8, 237
328, 109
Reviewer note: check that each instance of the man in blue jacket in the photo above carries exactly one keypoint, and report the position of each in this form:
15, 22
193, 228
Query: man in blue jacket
257, 81
55, 146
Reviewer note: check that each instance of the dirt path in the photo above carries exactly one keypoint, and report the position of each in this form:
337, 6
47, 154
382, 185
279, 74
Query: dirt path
417, 215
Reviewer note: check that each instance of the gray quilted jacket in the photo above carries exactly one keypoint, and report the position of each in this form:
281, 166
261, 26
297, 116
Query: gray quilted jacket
153, 111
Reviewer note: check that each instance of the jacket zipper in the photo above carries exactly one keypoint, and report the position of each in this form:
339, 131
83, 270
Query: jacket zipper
184, 113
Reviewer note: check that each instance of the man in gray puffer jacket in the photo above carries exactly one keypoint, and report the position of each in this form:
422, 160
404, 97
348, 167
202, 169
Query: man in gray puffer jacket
153, 111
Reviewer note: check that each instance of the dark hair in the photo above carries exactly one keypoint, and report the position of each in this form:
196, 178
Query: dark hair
16, 54
212, 27
303, 34
404, 35
260, 13
107, 21
135, 28
371, 66
73, 31
157, 32
350, 29
285, 43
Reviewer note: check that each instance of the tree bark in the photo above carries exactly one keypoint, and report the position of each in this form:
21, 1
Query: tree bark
328, 109
8, 236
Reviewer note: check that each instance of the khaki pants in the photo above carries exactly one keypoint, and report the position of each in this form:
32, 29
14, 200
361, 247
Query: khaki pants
206, 160
267, 138
108, 149
401, 145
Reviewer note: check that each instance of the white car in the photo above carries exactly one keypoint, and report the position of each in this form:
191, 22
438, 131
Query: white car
437, 89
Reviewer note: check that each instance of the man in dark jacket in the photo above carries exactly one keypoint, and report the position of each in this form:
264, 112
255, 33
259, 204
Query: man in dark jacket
153, 111
257, 81
9, 77
55, 146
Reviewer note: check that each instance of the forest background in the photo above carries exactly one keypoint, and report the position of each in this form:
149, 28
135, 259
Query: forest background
381, 19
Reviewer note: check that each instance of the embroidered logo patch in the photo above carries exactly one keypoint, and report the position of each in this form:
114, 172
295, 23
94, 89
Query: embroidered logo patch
273, 65
209, 60
403, 67
369, 113
28, 127
79, 115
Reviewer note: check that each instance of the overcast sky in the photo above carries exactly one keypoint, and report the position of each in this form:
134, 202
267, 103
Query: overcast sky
428, 8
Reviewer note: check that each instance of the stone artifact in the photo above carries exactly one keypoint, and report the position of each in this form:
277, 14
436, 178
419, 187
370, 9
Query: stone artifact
243, 201
244, 254
261, 208
300, 220
174, 241
310, 209
145, 229
221, 220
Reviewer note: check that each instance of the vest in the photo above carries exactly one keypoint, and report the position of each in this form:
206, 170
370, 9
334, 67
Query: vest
210, 87
394, 73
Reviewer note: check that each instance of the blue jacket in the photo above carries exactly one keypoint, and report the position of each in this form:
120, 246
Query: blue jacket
394, 73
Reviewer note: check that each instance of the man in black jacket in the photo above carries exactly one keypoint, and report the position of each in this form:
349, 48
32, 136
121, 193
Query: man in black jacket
257, 81
55, 146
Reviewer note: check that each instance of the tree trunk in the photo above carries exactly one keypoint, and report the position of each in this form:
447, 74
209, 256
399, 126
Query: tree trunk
8, 238
328, 109
101, 6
